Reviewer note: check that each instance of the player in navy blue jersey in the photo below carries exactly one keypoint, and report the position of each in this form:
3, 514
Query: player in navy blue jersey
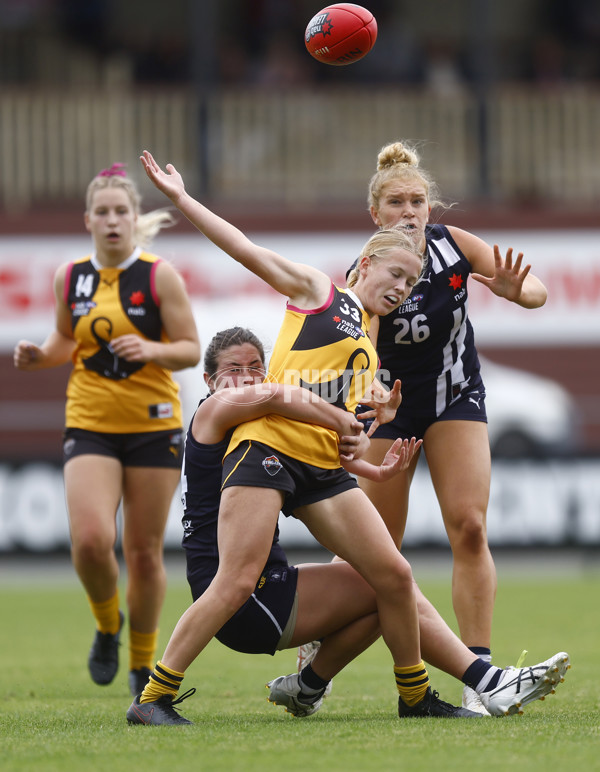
428, 343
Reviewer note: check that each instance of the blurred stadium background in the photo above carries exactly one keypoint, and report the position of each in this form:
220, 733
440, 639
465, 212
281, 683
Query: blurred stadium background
504, 101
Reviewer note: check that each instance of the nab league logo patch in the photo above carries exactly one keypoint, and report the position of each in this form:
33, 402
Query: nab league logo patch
82, 307
271, 465
348, 328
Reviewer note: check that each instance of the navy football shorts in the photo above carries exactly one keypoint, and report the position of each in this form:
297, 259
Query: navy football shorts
470, 406
266, 621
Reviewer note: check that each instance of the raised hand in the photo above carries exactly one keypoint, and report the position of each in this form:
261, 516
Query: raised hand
170, 182
507, 281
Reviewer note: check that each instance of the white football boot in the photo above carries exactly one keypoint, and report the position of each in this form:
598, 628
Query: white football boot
518, 687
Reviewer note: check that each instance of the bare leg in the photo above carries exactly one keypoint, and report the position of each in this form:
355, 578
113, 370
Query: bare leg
346, 617
440, 646
455, 450
146, 501
390, 498
350, 526
93, 488
459, 461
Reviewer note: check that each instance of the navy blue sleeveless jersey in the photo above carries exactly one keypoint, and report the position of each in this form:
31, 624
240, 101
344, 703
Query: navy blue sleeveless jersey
428, 342
201, 494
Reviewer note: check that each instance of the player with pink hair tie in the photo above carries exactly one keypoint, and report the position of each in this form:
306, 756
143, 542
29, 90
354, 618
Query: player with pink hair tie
124, 320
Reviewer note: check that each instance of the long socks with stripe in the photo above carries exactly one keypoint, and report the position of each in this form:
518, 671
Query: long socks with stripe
482, 675
412, 682
162, 681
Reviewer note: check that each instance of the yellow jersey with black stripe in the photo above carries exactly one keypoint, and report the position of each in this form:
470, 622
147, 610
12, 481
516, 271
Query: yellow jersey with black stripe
328, 352
106, 393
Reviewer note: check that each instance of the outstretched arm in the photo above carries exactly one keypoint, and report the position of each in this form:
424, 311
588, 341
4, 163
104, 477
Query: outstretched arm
305, 286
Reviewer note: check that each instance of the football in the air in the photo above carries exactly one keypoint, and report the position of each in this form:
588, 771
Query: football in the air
341, 34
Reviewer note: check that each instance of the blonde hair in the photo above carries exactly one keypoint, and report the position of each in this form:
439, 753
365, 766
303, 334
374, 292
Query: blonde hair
381, 244
147, 225
400, 161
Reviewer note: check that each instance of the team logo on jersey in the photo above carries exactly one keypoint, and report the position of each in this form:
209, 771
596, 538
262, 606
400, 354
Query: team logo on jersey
82, 307
271, 465
348, 328
136, 299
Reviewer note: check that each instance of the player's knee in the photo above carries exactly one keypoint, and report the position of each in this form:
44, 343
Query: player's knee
395, 577
238, 589
92, 548
143, 561
471, 534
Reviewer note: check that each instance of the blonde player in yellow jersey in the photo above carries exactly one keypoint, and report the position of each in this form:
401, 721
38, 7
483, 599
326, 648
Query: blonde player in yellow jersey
123, 318
274, 463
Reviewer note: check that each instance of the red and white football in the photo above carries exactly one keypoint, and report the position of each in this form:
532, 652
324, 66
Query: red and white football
341, 34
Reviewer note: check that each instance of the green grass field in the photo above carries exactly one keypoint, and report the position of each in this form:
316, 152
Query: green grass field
54, 718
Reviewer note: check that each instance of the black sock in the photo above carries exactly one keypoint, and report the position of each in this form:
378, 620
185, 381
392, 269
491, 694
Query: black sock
310, 682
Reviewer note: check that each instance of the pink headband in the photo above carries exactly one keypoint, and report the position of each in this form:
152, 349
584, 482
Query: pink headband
116, 170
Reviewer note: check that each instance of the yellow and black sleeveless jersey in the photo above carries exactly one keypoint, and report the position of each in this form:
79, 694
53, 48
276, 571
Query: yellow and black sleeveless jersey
106, 393
328, 352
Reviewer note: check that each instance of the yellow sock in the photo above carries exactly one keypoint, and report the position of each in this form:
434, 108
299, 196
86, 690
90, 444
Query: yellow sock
162, 681
106, 614
412, 682
142, 649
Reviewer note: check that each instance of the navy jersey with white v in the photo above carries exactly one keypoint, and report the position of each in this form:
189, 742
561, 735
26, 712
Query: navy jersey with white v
428, 341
